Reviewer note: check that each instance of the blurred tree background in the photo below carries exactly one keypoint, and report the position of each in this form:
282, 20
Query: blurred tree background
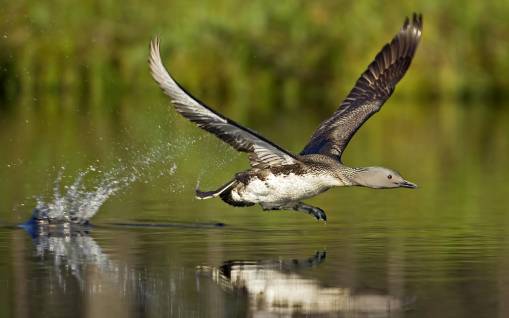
239, 55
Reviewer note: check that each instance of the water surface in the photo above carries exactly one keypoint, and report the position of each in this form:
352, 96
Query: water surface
441, 250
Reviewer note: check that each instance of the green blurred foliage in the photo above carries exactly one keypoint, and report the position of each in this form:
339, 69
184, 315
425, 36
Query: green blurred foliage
239, 55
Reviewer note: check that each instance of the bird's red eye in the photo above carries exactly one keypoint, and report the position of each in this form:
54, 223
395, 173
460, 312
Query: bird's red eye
389, 177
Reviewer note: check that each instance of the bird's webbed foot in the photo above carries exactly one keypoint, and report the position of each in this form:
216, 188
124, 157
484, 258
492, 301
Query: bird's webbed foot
318, 213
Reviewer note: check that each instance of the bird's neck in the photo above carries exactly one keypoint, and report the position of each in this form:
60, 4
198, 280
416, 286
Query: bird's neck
351, 176
362, 177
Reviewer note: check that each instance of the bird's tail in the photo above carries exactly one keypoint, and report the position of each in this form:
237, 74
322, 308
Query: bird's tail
202, 195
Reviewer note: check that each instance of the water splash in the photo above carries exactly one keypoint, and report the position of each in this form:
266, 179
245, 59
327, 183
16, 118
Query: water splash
78, 202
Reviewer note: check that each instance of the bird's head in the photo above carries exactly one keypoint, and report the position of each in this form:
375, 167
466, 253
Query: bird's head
381, 178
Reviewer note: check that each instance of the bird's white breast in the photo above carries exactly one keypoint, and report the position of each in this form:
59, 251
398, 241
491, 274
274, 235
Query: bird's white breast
283, 188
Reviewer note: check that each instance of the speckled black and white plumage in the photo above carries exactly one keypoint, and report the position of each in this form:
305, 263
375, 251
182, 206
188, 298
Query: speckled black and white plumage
278, 179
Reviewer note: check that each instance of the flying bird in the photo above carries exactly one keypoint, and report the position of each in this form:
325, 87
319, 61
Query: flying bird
279, 179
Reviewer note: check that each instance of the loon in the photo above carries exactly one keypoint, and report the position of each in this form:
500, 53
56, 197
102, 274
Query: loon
279, 179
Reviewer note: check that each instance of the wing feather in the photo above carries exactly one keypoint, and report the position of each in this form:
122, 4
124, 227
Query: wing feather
262, 152
370, 92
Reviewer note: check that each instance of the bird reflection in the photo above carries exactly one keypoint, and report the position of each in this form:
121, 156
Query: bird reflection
276, 287
70, 259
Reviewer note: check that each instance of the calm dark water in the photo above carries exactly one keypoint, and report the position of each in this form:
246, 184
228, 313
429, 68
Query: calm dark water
441, 250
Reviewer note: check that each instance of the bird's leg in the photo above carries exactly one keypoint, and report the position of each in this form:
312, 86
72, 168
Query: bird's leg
318, 213
266, 207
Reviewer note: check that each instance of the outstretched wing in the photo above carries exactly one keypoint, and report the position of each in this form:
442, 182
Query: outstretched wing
370, 92
262, 152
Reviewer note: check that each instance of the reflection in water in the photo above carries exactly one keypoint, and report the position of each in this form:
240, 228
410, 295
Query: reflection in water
70, 252
76, 265
76, 275
275, 287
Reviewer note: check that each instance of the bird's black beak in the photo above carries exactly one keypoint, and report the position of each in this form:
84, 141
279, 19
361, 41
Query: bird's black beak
407, 184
